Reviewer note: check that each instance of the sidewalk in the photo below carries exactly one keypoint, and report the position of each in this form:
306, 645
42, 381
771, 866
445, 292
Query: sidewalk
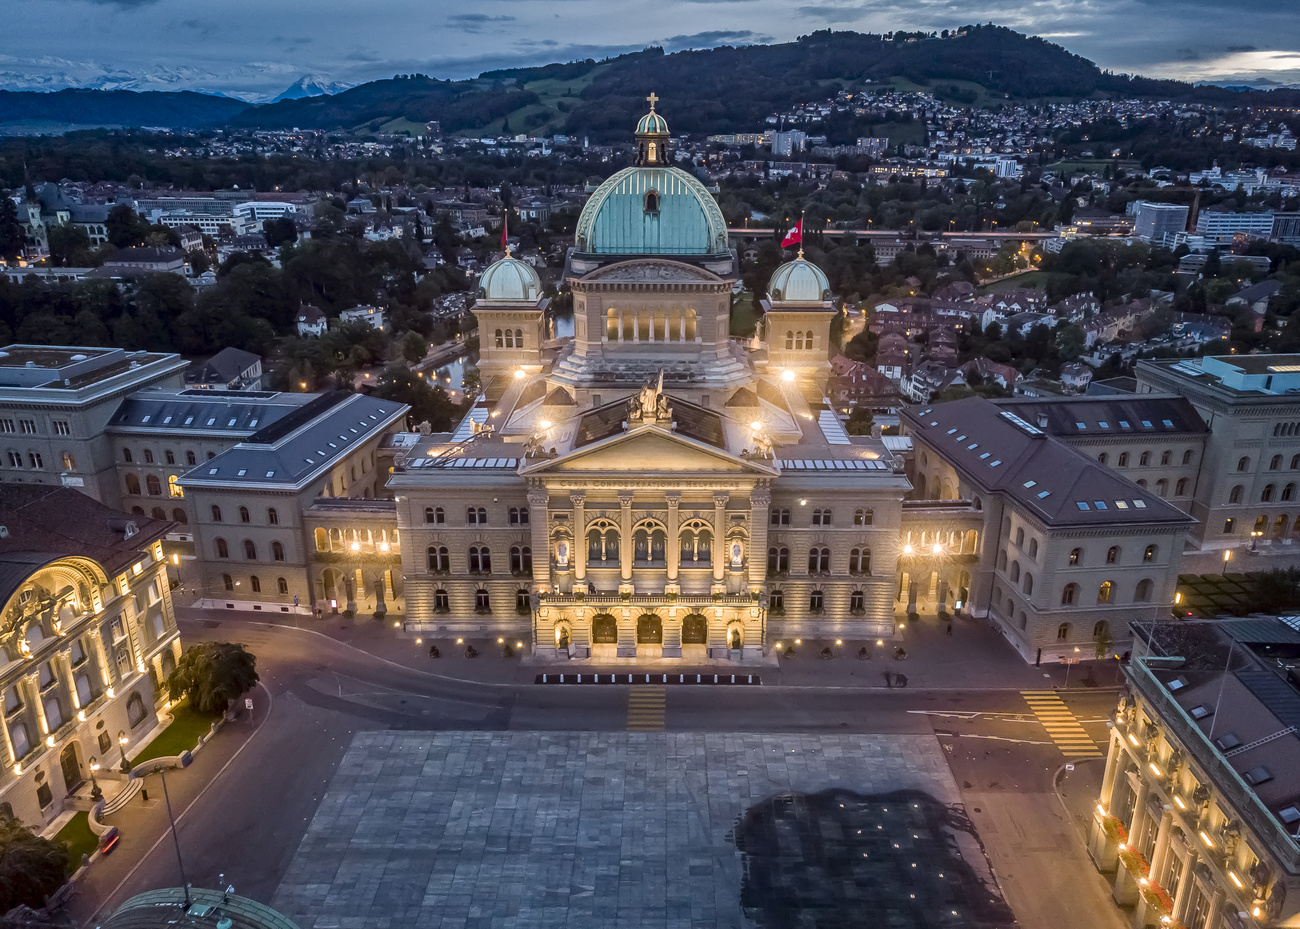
974, 657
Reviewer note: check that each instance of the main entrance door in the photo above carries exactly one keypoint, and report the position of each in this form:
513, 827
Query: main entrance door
604, 630
695, 630
649, 630
71, 768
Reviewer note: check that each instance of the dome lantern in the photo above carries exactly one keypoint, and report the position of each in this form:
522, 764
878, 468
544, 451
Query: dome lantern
799, 281
509, 281
652, 137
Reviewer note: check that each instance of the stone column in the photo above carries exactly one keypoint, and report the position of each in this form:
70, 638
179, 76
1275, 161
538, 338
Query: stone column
101, 653
1216, 907
1185, 882
34, 698
540, 520
579, 502
64, 660
1162, 845
760, 498
9, 758
673, 546
625, 538
1114, 756
719, 538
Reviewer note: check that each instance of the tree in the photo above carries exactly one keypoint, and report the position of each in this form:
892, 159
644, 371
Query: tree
428, 404
69, 246
31, 868
125, 228
212, 674
860, 421
11, 230
279, 232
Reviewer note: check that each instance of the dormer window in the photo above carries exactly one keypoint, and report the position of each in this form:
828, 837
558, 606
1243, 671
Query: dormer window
652, 196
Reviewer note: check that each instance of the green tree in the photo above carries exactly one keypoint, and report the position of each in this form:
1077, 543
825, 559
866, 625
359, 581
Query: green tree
428, 404
31, 868
212, 674
860, 421
125, 227
279, 232
412, 346
12, 237
69, 247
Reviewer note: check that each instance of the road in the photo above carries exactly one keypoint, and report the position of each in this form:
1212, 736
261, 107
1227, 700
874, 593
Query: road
244, 805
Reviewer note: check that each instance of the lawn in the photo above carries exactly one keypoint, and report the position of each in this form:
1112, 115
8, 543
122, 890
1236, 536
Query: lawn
79, 839
743, 319
1029, 280
182, 735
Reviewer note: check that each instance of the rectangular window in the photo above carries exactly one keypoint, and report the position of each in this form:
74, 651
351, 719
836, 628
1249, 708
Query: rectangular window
61, 427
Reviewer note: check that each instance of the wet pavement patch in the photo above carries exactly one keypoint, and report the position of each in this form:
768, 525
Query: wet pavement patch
841, 859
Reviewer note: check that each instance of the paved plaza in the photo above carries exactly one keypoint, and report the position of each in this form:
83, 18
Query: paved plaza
524, 829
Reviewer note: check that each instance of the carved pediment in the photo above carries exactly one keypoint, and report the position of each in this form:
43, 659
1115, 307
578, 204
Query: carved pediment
650, 448
654, 271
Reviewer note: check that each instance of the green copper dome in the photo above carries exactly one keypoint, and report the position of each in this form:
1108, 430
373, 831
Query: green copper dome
799, 281
652, 211
652, 124
509, 281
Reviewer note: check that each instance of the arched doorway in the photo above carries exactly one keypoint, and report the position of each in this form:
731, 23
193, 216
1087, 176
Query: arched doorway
695, 630
649, 630
71, 767
604, 636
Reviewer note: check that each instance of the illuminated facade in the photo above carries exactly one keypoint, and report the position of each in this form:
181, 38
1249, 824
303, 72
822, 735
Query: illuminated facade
88, 635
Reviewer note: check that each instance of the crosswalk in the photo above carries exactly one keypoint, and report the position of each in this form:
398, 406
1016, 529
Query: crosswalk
645, 709
1060, 723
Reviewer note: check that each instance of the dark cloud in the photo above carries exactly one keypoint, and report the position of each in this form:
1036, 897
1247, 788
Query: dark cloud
122, 4
835, 14
476, 22
1241, 48
712, 39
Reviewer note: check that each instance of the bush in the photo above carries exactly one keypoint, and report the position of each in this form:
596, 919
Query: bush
790, 652
507, 651
863, 653
212, 675
827, 654
471, 651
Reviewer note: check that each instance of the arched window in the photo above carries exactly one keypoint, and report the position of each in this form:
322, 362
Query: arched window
1069, 595
1295, 462
439, 560
434, 516
1002, 561
476, 516
135, 712
178, 515
521, 559
1243, 464
1112, 555
1020, 537
1033, 548
1076, 554
1063, 632
696, 545
157, 513
243, 514
216, 513
1288, 492
789, 339
819, 560
282, 585
1101, 630
1142, 594
649, 545
174, 488
126, 455
1149, 553
1166, 457
863, 517
821, 516
1180, 489
133, 484
223, 550
148, 456
778, 560
228, 582
1162, 487
1028, 585
1234, 495
652, 196
250, 550
602, 544
1104, 591
519, 516
1275, 463
137, 511
1123, 459
780, 517
1101, 459
153, 485
277, 551
1015, 571
480, 560
1142, 482
190, 459
1187, 456
273, 516
500, 343
519, 338
857, 603
860, 561
1267, 495
255, 583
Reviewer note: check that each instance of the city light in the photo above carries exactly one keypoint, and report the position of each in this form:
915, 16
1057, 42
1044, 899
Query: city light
1209, 843
1178, 801
787, 375
1155, 769
1232, 876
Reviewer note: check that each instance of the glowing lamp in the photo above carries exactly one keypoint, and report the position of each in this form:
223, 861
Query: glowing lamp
1209, 842
787, 375
1232, 876
907, 549
1179, 801
1101, 809
1155, 769
519, 373
937, 549
1134, 739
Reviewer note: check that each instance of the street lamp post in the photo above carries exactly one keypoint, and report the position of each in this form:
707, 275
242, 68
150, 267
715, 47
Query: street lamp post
1254, 540
121, 747
96, 792
1227, 555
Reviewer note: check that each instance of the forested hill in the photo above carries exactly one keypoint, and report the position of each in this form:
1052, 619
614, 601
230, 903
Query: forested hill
727, 89
170, 109
710, 91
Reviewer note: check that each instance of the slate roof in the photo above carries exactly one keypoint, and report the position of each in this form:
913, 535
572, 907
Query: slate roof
1109, 415
226, 365
1001, 452
206, 411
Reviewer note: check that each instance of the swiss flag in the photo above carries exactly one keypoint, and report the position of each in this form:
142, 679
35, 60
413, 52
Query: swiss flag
794, 236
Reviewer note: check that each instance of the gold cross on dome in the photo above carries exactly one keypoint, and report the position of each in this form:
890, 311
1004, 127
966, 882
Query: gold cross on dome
653, 100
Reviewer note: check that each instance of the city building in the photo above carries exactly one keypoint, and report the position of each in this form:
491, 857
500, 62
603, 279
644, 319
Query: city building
1152, 221
145, 259
310, 320
1221, 227
371, 316
1197, 820
247, 218
228, 369
1286, 228
1248, 486
652, 488
55, 405
89, 636
1072, 552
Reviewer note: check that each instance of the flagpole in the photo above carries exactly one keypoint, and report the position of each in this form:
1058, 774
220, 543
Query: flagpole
801, 216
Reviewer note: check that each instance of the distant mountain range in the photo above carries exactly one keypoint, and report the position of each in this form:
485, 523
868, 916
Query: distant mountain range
714, 90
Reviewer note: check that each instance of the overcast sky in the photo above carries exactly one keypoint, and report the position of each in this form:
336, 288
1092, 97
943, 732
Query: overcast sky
257, 48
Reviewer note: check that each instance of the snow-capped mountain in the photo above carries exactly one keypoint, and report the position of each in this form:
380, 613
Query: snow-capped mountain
310, 85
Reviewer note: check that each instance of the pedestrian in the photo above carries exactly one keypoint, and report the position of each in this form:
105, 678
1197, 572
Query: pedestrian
900, 680
950, 628
889, 679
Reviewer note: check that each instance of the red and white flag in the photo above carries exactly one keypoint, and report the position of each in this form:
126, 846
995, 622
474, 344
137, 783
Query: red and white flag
794, 236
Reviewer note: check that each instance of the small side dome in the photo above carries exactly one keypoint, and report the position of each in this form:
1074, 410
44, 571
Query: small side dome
509, 281
799, 281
